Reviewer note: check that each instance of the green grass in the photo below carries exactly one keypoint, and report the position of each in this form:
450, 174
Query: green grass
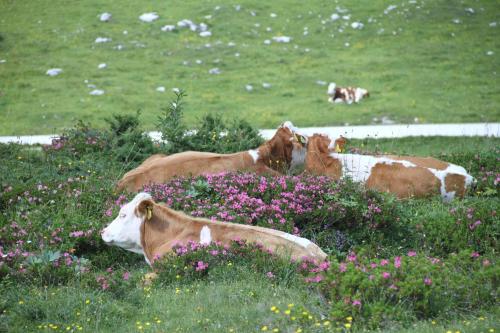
237, 298
432, 69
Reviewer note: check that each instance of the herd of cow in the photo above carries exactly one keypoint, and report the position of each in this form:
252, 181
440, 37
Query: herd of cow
152, 229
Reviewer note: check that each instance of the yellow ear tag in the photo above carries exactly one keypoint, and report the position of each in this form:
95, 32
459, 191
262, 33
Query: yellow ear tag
149, 213
337, 148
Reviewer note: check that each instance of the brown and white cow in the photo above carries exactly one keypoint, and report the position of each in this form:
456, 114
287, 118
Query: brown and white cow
152, 229
345, 95
286, 149
404, 176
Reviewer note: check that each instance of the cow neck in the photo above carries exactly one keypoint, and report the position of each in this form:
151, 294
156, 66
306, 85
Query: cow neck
154, 231
320, 161
272, 156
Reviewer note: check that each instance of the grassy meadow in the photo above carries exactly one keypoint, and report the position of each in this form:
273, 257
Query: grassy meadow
432, 60
394, 266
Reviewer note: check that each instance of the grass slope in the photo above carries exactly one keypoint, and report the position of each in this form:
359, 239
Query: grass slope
416, 62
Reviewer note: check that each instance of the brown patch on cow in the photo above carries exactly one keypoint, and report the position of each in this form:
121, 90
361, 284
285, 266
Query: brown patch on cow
402, 181
455, 182
424, 162
318, 159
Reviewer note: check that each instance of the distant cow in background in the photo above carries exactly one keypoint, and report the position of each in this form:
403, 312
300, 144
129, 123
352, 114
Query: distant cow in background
346, 95
284, 150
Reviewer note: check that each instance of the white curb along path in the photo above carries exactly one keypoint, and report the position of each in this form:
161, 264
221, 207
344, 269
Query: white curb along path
353, 132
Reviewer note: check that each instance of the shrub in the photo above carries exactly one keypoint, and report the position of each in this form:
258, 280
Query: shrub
378, 291
193, 261
212, 135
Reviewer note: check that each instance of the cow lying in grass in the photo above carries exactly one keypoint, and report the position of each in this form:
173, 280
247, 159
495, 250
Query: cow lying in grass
285, 149
148, 228
404, 176
347, 95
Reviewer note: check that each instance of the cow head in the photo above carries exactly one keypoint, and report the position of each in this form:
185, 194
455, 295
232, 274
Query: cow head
322, 143
125, 230
361, 93
286, 146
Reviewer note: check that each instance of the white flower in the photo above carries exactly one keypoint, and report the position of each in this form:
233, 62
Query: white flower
205, 34
102, 66
160, 89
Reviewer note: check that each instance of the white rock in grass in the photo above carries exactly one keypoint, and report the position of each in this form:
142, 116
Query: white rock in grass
125, 32
389, 9
237, 8
168, 28
493, 24
341, 10
347, 44
236, 54
456, 21
99, 40
282, 39
334, 17
205, 34
203, 26
199, 62
54, 71
266, 85
214, 71
149, 17
231, 44
3, 61
267, 42
248, 87
97, 92
102, 66
490, 53
105, 17
346, 17
470, 10
357, 25
321, 83
160, 89
273, 15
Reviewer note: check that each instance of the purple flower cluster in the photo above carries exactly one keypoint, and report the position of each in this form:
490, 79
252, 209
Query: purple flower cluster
250, 199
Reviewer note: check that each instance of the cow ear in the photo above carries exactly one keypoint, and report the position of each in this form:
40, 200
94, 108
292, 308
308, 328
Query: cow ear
145, 208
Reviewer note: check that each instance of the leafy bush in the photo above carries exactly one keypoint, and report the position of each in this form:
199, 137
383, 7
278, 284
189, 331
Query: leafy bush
213, 134
191, 262
379, 291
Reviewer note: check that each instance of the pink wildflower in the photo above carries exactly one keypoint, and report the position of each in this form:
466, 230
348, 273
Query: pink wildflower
373, 265
351, 257
486, 262
126, 276
270, 275
356, 302
384, 262
412, 253
201, 266
427, 281
386, 275
342, 267
397, 262
474, 255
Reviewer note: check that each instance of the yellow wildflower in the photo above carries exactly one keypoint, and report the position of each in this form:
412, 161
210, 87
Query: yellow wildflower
347, 325
264, 328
